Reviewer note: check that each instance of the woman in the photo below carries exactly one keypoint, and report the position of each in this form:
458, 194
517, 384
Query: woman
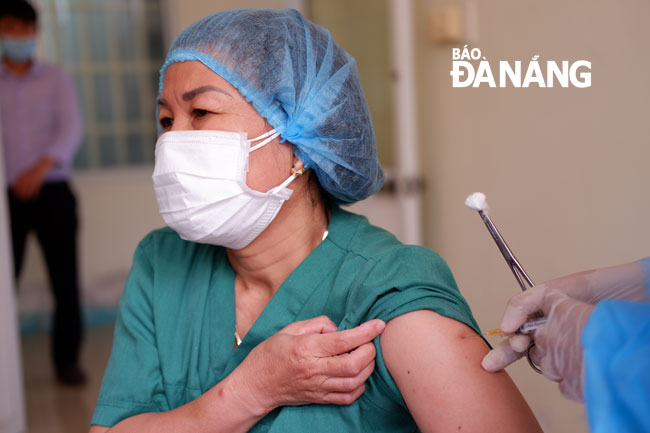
265, 315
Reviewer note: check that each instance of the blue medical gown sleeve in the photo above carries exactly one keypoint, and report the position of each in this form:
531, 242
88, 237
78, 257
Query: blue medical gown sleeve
616, 342
646, 265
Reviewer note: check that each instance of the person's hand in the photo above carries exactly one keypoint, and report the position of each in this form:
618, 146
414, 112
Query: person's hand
28, 185
519, 310
310, 362
626, 281
557, 350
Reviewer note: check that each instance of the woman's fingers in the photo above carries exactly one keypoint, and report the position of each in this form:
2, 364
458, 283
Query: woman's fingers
317, 325
314, 364
349, 364
340, 342
349, 383
344, 398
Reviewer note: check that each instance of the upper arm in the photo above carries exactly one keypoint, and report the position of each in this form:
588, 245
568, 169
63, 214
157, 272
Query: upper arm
436, 363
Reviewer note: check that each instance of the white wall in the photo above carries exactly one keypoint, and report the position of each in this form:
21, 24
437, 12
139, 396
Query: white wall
565, 170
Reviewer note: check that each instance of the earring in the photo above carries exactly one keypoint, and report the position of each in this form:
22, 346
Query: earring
297, 172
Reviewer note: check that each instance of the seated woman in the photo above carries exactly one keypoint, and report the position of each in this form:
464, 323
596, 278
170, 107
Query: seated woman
260, 308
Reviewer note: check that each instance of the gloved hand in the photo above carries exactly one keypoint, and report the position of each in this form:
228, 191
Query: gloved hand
558, 351
626, 281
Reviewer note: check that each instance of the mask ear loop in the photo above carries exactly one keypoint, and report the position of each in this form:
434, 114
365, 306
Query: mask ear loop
270, 136
266, 134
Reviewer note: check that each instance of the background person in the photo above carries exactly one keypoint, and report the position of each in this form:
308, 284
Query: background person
41, 129
595, 343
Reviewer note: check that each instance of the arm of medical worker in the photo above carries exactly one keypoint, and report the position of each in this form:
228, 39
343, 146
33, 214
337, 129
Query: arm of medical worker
435, 362
629, 282
616, 342
306, 362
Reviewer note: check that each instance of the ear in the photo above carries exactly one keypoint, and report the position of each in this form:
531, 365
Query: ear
297, 163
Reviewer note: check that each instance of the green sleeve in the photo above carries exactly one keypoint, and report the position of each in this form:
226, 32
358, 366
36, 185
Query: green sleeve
133, 382
414, 278
409, 279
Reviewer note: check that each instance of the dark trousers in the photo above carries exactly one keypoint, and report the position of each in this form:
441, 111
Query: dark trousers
53, 216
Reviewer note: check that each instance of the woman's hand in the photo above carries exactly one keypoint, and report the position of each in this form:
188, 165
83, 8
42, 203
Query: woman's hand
306, 362
310, 362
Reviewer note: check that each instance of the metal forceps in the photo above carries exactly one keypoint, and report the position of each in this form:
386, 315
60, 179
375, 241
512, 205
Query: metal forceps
516, 268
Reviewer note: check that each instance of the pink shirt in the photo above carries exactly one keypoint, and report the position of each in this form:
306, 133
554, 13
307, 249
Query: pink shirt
40, 117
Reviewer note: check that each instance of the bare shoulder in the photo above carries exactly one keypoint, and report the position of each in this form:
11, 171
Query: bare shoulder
436, 363
98, 429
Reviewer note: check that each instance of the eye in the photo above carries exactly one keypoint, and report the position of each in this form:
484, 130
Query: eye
198, 112
166, 122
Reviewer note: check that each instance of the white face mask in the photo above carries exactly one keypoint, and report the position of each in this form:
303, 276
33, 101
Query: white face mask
200, 184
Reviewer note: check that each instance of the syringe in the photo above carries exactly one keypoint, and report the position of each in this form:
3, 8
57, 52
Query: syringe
527, 328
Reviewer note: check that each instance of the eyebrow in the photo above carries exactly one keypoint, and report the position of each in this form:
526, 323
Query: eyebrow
188, 96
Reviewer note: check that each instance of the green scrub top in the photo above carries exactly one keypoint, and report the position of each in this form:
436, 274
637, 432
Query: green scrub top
174, 332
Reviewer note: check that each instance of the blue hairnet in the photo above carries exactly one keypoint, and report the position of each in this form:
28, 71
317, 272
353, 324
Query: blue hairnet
301, 82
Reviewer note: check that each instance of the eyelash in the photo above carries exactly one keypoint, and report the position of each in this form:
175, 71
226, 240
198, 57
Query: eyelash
167, 122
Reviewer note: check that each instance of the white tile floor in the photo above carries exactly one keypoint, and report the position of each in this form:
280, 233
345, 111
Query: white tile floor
52, 408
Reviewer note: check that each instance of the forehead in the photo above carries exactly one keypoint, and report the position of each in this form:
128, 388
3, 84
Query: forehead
181, 77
